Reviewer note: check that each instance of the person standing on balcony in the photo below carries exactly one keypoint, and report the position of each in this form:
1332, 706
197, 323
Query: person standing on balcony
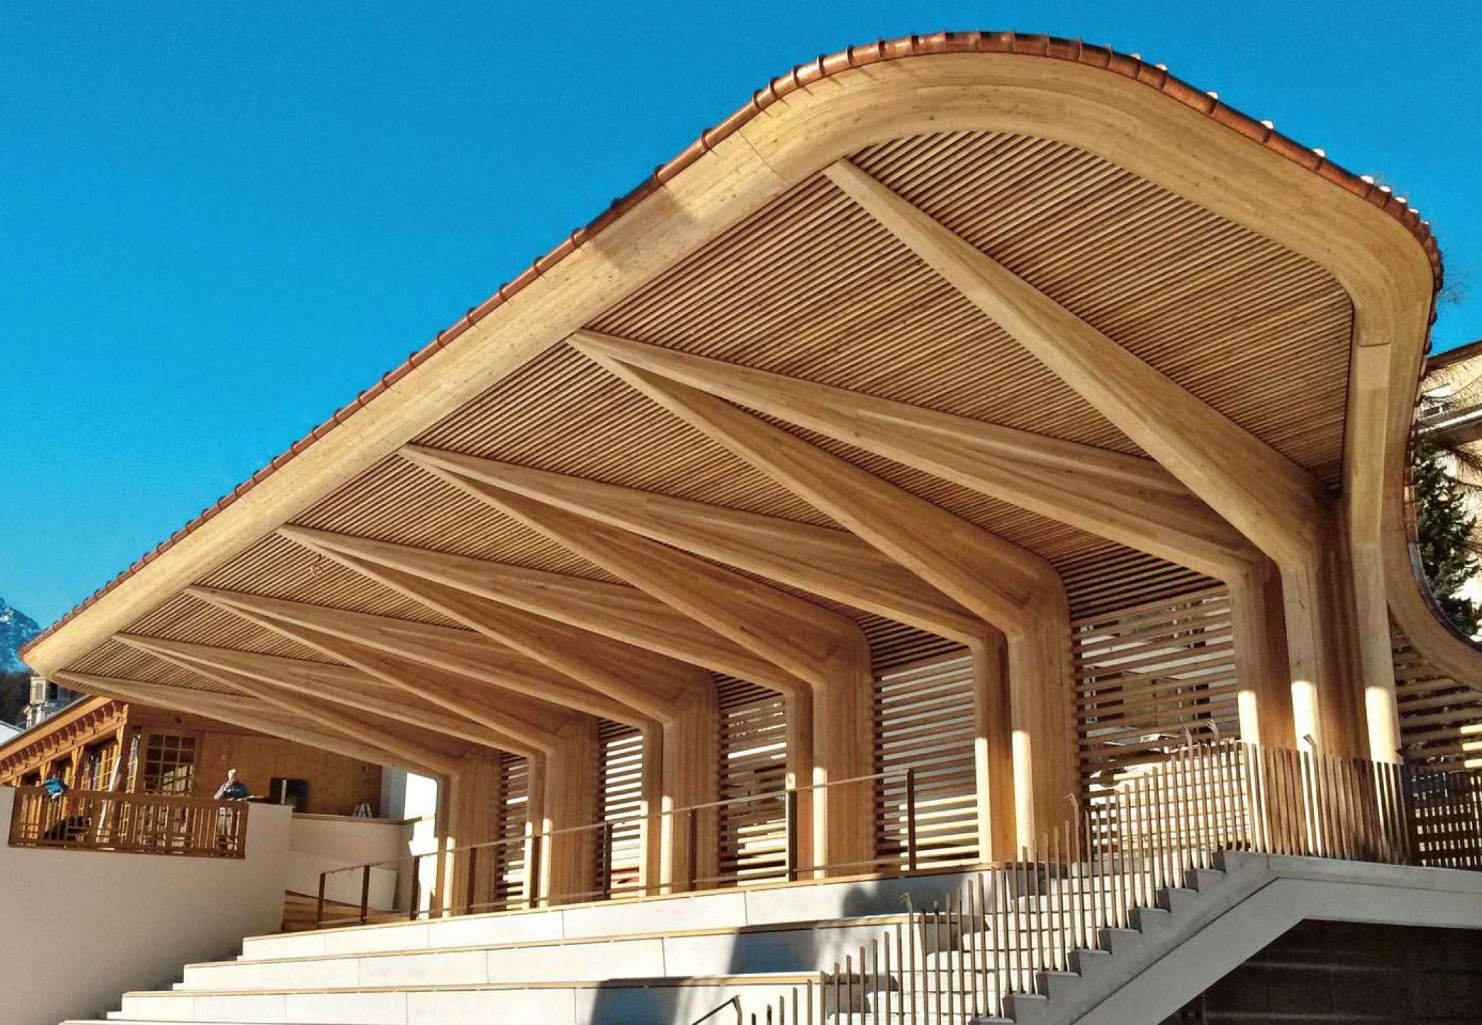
233, 789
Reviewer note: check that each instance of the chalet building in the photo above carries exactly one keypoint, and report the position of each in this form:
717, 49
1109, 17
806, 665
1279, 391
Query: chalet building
937, 551
104, 745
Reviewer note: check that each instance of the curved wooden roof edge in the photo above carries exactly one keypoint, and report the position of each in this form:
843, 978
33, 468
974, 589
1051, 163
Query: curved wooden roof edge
1108, 103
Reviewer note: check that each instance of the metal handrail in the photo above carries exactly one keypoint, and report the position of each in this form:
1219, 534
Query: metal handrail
734, 1002
793, 868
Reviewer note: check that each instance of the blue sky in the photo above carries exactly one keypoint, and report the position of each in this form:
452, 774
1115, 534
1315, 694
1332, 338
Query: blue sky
218, 222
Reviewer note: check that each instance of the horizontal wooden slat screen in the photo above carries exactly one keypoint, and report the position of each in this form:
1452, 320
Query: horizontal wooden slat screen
1154, 656
753, 761
620, 802
924, 721
1440, 719
510, 818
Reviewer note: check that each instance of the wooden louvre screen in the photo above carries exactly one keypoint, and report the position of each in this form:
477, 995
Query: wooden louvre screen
924, 721
511, 814
751, 820
620, 805
1154, 658
1440, 719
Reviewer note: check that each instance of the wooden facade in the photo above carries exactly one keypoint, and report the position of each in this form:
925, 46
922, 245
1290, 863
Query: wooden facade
102, 744
987, 415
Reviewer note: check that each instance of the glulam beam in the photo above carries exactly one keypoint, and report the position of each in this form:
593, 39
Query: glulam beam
823, 560
1277, 505
1007, 587
447, 583
340, 684
332, 632
1131, 500
1128, 499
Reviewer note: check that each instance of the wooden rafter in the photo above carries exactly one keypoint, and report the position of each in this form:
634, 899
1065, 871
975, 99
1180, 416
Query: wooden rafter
812, 643
340, 684
251, 714
1127, 499
424, 674
620, 612
628, 683
828, 562
1272, 501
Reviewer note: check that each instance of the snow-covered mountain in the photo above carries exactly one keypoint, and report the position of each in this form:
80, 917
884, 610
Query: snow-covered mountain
16, 628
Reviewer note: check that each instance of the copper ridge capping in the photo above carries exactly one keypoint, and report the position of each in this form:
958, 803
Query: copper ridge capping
801, 77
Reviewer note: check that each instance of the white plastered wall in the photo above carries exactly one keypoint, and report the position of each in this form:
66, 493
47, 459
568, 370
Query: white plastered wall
77, 928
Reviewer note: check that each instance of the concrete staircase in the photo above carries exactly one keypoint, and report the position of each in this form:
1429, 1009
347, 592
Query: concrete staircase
846, 951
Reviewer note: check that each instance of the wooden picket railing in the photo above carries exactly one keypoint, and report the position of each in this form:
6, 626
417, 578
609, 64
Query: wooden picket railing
959, 959
129, 823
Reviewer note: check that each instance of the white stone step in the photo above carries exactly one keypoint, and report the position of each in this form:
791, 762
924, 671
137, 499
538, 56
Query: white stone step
798, 947
724, 909
636, 1000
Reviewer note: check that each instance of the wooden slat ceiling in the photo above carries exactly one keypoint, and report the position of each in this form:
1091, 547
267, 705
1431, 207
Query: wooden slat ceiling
812, 287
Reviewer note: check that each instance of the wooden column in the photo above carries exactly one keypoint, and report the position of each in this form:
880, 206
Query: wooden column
568, 861
688, 775
473, 819
1257, 617
993, 753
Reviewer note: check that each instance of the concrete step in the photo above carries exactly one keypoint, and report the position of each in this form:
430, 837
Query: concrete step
617, 1000
797, 947
722, 909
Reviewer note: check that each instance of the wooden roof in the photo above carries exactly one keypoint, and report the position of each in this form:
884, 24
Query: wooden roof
1243, 276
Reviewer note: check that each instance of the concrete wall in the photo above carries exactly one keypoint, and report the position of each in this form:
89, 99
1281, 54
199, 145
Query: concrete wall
78, 928
322, 843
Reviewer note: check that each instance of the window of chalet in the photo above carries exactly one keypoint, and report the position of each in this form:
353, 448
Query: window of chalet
97, 765
169, 764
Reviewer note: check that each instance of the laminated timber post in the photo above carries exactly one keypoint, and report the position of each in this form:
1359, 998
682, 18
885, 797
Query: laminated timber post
823, 656
1009, 588
568, 788
557, 619
1281, 508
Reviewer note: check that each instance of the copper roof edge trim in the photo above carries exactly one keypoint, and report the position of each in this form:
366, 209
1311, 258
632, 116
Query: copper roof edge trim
801, 76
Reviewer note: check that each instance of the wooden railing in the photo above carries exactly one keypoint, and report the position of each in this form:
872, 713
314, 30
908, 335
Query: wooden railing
129, 823
959, 959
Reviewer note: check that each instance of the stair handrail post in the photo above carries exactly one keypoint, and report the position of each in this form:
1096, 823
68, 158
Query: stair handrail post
911, 819
470, 887
319, 907
607, 838
692, 849
790, 828
365, 876
416, 894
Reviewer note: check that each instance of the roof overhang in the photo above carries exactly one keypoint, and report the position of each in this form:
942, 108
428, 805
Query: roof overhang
1130, 114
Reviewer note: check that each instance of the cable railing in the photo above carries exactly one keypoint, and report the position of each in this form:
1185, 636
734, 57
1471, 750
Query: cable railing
129, 823
497, 875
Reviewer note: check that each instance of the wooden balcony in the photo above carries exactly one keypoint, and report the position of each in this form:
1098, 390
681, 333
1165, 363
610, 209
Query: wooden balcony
129, 823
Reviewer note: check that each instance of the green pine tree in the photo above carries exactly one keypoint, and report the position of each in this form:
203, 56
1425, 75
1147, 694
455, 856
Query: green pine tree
1445, 533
